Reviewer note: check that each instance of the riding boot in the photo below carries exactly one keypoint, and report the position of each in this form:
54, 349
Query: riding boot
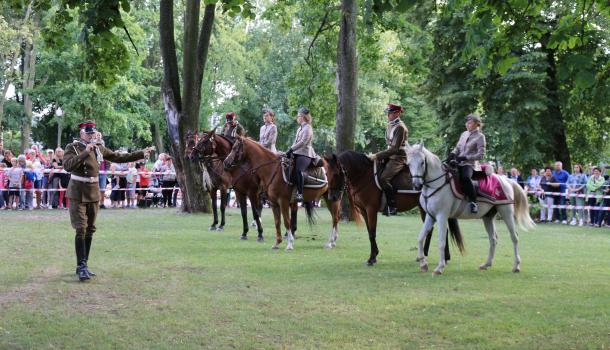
88, 240
300, 185
390, 208
81, 263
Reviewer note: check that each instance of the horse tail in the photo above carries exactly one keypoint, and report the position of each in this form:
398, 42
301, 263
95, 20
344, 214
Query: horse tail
456, 235
522, 212
310, 213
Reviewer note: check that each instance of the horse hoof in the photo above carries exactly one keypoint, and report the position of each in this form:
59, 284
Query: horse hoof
370, 263
275, 246
244, 238
289, 248
333, 244
423, 268
260, 239
483, 267
212, 228
328, 246
517, 270
220, 229
436, 273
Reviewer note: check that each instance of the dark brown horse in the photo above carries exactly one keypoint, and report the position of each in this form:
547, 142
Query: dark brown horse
254, 158
210, 150
365, 196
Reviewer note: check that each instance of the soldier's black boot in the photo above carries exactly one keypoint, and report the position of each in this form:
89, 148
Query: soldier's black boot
88, 240
390, 208
81, 264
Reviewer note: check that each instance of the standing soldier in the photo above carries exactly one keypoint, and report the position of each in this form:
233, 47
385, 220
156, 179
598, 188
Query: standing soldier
232, 127
82, 158
395, 156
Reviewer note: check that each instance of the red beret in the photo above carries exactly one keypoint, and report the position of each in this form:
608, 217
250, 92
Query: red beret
394, 108
230, 115
88, 126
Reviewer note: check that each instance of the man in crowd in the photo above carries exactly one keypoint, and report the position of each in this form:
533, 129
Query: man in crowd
561, 176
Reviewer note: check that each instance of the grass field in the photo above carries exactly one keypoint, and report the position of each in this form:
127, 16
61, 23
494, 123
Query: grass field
164, 281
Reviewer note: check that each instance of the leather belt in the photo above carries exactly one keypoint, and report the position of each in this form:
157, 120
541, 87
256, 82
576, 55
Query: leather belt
84, 179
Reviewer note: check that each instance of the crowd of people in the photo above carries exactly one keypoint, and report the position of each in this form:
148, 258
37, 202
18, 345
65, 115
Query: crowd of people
578, 198
37, 180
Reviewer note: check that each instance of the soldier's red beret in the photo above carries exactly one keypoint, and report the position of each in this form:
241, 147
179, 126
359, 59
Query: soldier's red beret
394, 108
88, 126
230, 115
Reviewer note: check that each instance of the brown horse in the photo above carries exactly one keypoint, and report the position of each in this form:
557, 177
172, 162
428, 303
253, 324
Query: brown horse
267, 166
210, 150
365, 196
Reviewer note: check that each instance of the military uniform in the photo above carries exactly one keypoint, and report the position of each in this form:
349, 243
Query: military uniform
232, 128
83, 190
395, 156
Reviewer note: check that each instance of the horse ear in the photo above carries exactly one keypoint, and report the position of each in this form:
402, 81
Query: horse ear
421, 143
212, 132
335, 158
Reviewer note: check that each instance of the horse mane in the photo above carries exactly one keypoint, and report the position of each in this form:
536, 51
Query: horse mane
358, 163
260, 147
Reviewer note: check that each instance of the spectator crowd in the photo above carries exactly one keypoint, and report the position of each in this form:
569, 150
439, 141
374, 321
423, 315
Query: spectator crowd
37, 180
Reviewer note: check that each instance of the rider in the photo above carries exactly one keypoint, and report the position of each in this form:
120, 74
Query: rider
466, 155
268, 133
396, 136
301, 150
232, 127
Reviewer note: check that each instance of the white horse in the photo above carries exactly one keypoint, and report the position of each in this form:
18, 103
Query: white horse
440, 204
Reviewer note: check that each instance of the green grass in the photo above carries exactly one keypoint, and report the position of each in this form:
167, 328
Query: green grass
164, 281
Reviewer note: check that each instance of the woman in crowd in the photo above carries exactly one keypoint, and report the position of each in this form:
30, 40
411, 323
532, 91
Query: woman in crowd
546, 200
168, 182
595, 189
576, 188
15, 181
532, 182
3, 184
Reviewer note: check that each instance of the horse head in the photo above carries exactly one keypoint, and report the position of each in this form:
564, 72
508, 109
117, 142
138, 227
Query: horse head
417, 164
336, 180
236, 155
191, 140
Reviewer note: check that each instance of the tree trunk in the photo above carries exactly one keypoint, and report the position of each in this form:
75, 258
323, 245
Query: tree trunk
157, 138
29, 72
182, 115
556, 125
347, 85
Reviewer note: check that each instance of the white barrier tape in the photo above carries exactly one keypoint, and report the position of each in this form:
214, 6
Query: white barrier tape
64, 189
109, 172
587, 207
570, 195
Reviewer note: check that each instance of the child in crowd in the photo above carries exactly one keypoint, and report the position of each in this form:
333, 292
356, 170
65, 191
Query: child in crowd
132, 179
15, 180
29, 176
144, 182
3, 183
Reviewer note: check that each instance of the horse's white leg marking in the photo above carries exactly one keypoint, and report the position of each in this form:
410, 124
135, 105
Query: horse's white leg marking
490, 227
507, 213
332, 239
442, 236
421, 258
290, 245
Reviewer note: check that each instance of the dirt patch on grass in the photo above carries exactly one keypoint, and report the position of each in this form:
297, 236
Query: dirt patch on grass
27, 293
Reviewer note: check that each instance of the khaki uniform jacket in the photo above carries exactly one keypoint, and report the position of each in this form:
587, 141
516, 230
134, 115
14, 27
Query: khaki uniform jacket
471, 146
302, 142
268, 136
396, 136
233, 130
81, 163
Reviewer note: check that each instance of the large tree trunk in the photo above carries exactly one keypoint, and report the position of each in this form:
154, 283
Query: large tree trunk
556, 125
347, 85
29, 72
182, 115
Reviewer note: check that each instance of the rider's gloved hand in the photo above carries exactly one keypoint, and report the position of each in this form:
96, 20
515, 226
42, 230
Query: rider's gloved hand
289, 153
451, 156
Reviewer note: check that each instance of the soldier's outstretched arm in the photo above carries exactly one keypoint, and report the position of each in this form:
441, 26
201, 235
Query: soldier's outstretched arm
121, 157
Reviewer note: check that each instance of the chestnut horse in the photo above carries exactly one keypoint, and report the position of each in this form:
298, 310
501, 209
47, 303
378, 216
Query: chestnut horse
255, 159
210, 150
365, 197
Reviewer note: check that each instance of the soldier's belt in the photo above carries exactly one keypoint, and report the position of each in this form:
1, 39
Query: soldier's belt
84, 179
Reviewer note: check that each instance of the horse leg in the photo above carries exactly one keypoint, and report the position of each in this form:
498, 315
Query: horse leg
424, 234
294, 211
223, 205
243, 206
508, 212
214, 209
256, 212
334, 209
442, 243
490, 227
277, 217
286, 209
371, 226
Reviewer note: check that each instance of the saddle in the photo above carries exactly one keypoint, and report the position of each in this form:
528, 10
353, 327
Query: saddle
401, 183
316, 175
487, 187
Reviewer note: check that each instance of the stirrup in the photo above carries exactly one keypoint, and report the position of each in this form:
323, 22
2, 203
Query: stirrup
299, 198
474, 207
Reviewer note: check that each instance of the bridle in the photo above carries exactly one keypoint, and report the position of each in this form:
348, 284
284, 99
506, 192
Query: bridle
238, 154
429, 182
